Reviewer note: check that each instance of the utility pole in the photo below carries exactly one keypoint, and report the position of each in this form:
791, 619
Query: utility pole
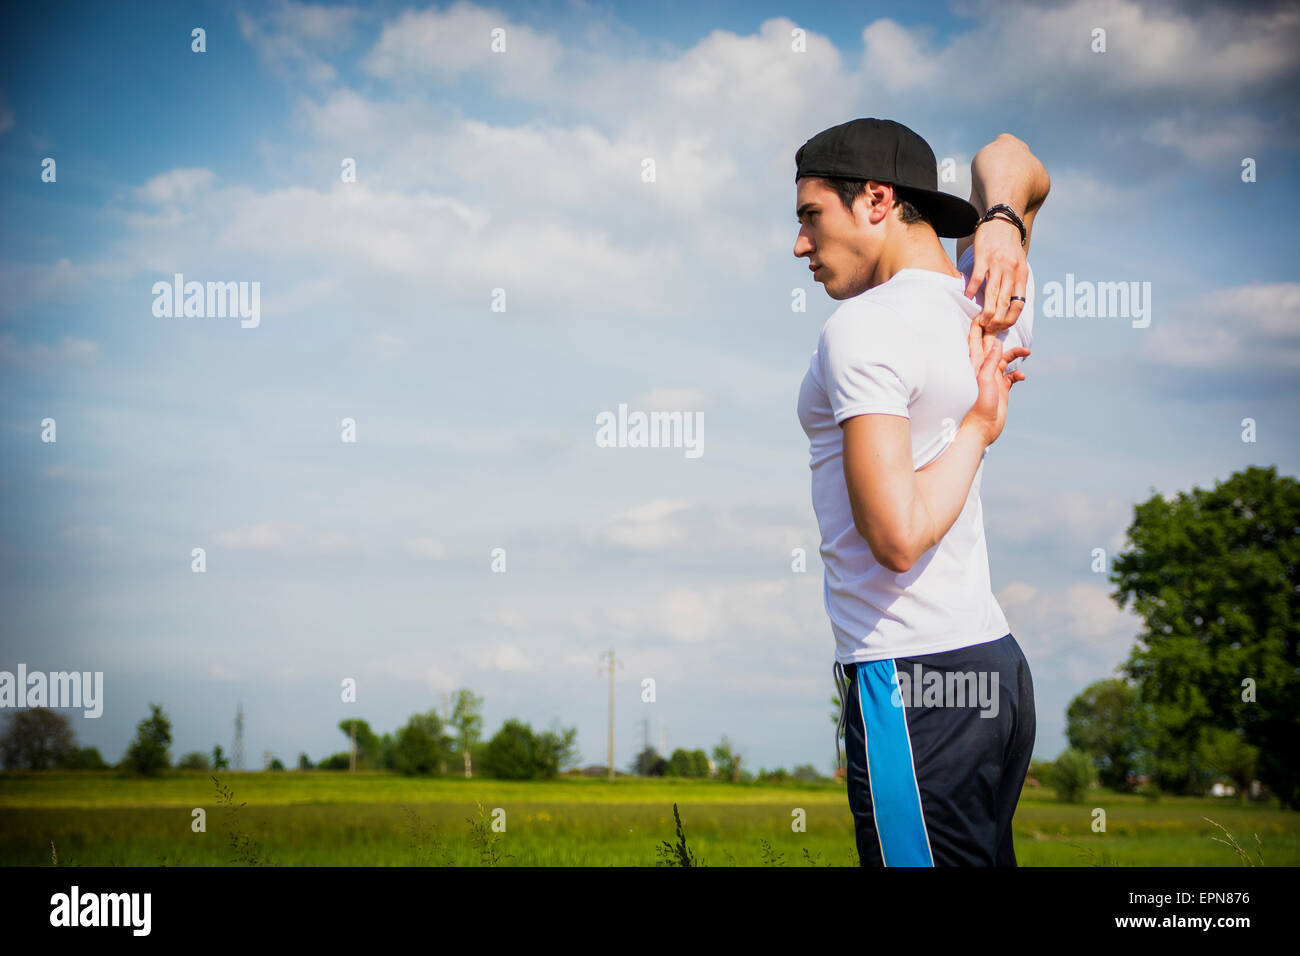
239, 737
612, 664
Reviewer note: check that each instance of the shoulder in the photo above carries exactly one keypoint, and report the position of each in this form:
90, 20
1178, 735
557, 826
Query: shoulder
863, 319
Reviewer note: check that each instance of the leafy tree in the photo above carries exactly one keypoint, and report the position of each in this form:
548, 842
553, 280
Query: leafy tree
36, 738
688, 763
680, 764
338, 761
511, 754
84, 758
276, 764
422, 745
648, 763
149, 753
370, 747
467, 719
1227, 754
1073, 775
219, 759
1040, 770
1107, 723
195, 760
555, 750
726, 761
699, 763
304, 762
806, 773
1214, 576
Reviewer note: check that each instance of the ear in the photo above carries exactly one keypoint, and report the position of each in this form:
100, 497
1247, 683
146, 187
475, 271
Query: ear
879, 198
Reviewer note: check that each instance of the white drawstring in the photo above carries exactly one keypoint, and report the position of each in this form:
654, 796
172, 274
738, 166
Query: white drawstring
841, 686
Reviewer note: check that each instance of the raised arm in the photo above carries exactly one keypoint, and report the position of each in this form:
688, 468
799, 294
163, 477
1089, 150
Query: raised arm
902, 514
1004, 171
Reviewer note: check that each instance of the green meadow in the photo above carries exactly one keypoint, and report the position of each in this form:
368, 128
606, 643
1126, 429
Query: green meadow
330, 818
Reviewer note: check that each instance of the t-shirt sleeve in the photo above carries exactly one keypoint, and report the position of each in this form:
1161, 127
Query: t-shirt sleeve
867, 363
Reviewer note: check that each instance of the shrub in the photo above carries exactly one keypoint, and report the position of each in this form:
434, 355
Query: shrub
1073, 775
194, 761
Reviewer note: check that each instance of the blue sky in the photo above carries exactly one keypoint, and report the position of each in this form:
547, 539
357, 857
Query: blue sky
476, 428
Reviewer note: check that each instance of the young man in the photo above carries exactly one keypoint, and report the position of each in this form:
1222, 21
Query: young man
905, 392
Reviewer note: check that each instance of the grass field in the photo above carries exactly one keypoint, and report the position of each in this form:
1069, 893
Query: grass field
325, 818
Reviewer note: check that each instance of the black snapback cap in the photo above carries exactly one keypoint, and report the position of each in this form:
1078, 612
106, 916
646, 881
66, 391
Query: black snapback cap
887, 152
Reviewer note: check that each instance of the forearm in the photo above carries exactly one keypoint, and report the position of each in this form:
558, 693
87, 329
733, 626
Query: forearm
1006, 171
942, 488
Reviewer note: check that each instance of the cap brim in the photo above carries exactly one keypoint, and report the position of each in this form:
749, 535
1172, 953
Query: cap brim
952, 216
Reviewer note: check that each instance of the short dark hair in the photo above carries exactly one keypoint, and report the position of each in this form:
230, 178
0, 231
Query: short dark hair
850, 189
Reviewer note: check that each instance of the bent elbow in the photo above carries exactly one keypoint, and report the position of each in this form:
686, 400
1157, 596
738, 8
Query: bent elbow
890, 555
898, 563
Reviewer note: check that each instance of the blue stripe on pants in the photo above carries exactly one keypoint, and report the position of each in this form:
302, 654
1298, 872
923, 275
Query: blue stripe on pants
896, 803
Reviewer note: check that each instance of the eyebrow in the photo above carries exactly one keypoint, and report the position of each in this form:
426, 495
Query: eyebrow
806, 207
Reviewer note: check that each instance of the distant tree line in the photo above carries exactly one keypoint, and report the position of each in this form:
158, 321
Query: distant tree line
725, 765
38, 738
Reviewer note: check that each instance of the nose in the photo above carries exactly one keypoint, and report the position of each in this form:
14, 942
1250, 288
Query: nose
802, 245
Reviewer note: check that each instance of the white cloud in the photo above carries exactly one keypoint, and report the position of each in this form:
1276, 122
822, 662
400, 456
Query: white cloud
176, 185
1212, 137
439, 243
426, 548
258, 537
296, 37
1073, 521
388, 346
752, 612
506, 617
1016, 593
1078, 628
23, 283
332, 543
898, 57
502, 657
1247, 327
88, 534
448, 43
68, 349
648, 527
670, 400
1210, 57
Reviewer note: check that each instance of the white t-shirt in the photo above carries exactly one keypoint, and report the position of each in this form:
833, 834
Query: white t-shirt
901, 348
